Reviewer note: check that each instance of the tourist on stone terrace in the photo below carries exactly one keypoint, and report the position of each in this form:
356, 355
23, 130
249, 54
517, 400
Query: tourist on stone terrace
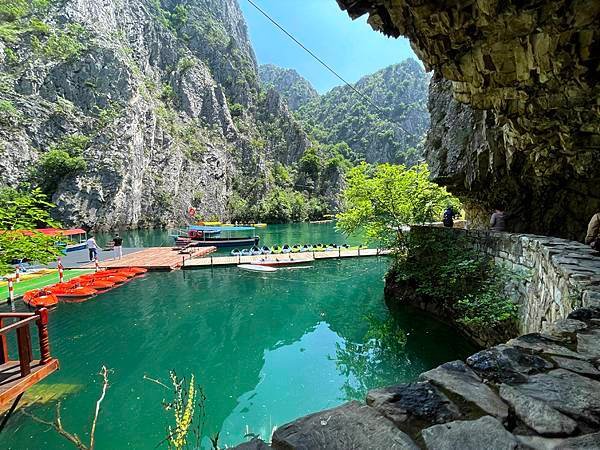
498, 220
593, 232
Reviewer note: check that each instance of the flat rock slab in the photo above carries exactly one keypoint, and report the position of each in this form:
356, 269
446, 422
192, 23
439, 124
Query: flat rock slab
486, 433
568, 392
536, 414
413, 406
543, 344
350, 426
585, 442
506, 364
577, 365
457, 378
589, 343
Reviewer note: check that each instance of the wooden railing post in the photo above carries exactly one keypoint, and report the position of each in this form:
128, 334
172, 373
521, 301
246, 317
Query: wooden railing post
3, 346
42, 324
24, 346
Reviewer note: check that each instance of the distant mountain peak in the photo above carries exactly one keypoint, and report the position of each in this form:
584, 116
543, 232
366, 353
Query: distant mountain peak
295, 89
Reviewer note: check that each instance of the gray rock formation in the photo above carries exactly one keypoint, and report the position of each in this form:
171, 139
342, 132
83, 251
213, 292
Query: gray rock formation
533, 67
150, 85
295, 89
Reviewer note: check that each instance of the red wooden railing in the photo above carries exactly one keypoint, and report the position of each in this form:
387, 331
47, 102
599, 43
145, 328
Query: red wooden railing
21, 327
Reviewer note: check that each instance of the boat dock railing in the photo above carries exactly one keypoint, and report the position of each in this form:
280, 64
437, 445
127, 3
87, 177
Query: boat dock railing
18, 375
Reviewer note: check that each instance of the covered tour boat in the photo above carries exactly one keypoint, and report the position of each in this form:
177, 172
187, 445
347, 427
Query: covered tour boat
202, 235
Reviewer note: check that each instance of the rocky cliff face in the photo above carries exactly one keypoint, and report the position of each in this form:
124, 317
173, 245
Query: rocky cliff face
533, 68
165, 95
295, 89
390, 129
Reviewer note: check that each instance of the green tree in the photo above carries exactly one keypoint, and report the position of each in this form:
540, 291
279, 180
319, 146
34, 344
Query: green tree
386, 198
20, 213
53, 166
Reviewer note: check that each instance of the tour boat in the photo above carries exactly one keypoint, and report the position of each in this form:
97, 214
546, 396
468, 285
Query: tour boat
200, 235
256, 268
37, 298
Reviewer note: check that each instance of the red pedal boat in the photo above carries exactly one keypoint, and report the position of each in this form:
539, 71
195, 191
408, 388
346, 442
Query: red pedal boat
40, 297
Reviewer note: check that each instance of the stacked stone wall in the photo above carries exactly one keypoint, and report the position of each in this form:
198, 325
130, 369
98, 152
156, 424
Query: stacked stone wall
557, 276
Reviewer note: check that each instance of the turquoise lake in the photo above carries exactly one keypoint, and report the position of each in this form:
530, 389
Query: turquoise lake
266, 348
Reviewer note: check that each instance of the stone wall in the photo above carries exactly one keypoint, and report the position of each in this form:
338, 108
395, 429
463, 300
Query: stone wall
559, 276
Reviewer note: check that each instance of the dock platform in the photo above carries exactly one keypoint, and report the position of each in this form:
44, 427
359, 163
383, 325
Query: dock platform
194, 263
155, 258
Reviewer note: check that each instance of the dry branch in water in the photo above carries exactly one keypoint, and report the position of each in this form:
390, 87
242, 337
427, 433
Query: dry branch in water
58, 426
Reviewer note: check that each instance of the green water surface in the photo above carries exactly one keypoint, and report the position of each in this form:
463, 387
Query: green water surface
266, 348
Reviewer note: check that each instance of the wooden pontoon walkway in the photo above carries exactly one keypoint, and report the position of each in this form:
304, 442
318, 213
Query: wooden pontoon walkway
302, 256
155, 258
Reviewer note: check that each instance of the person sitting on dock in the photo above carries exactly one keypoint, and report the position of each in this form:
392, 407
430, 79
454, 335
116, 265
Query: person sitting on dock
118, 246
92, 247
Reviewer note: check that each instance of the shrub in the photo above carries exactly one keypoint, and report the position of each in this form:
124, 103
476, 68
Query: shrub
186, 63
63, 45
236, 110
53, 166
12, 10
9, 115
444, 269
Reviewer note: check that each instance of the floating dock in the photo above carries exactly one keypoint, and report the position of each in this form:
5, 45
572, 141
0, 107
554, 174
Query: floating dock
194, 263
154, 258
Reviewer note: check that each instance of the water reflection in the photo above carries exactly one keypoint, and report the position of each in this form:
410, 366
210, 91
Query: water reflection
373, 361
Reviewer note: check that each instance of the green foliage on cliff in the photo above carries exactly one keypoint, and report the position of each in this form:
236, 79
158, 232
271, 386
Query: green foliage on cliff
62, 160
25, 211
444, 269
391, 132
386, 198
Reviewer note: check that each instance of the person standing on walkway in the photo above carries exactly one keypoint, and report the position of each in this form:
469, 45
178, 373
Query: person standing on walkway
498, 220
592, 237
92, 247
448, 218
118, 247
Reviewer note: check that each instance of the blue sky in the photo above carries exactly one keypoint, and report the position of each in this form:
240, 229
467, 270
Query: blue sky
351, 48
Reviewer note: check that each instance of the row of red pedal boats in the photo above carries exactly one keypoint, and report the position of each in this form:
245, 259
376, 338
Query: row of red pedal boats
80, 288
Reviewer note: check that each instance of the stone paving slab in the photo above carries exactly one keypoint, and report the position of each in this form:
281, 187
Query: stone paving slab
350, 426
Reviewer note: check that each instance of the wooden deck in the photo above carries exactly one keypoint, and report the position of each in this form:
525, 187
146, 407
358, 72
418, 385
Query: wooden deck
155, 258
13, 384
304, 257
17, 375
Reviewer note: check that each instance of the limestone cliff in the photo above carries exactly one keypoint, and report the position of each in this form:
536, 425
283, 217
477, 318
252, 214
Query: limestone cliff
165, 96
296, 90
528, 71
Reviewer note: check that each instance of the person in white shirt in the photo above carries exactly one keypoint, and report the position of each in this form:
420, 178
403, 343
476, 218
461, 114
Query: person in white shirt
92, 247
